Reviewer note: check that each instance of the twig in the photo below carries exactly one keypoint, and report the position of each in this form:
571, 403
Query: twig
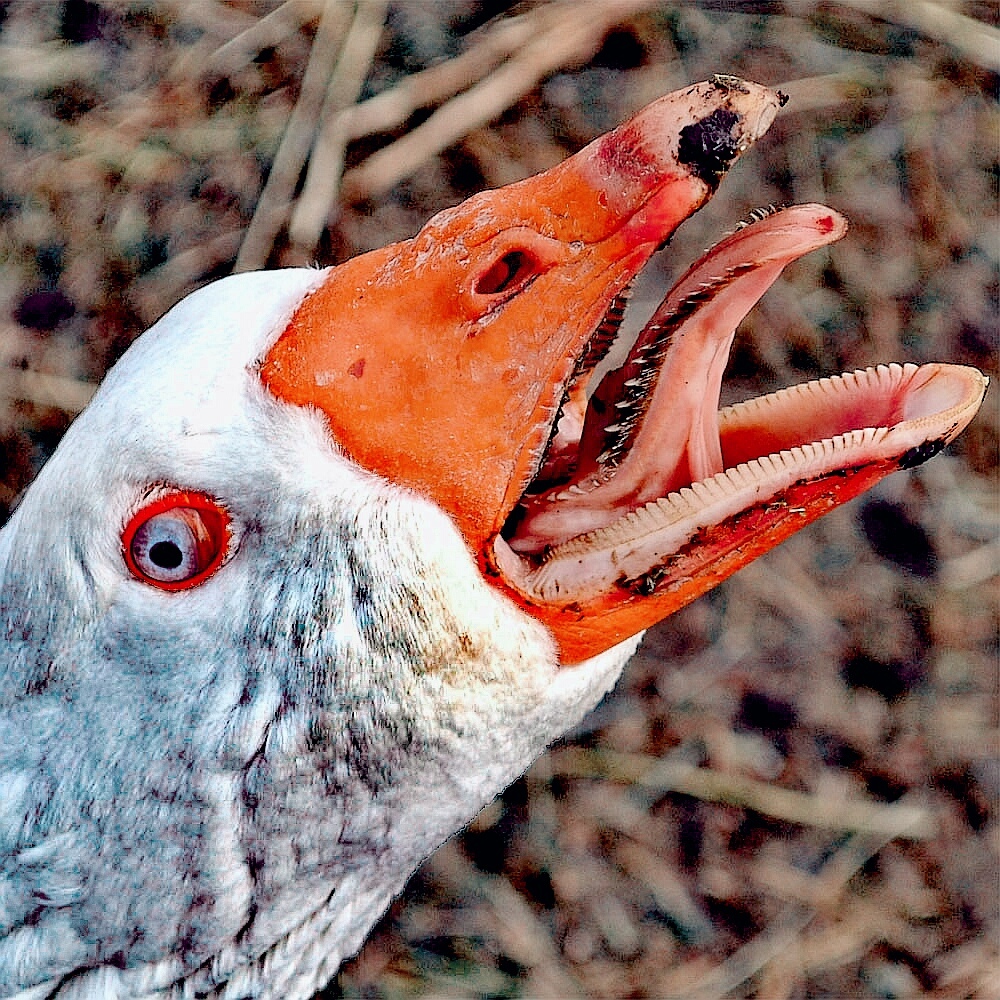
573, 37
973, 568
209, 15
780, 937
897, 820
45, 65
392, 107
346, 121
975, 41
272, 208
326, 165
164, 285
508, 918
667, 888
527, 940
57, 391
830, 90
269, 30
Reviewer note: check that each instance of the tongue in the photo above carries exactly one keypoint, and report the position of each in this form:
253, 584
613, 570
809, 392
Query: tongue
652, 425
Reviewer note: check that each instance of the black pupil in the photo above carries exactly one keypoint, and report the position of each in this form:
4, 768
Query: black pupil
166, 555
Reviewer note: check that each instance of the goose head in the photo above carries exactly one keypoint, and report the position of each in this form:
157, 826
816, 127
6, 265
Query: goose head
334, 554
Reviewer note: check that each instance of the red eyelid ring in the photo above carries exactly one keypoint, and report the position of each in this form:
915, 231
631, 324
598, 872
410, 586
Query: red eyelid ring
210, 526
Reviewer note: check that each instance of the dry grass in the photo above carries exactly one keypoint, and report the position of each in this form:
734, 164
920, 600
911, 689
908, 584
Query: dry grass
793, 791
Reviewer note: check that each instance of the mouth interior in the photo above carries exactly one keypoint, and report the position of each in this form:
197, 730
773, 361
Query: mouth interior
653, 426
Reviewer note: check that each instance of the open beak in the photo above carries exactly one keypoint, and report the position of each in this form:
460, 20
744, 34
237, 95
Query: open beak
460, 364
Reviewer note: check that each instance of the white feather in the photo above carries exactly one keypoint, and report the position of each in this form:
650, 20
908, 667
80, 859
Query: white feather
218, 791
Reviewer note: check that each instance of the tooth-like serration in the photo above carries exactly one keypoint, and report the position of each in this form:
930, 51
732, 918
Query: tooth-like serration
903, 412
700, 502
882, 378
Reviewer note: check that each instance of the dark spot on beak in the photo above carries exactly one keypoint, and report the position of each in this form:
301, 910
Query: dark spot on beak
918, 455
709, 146
357, 369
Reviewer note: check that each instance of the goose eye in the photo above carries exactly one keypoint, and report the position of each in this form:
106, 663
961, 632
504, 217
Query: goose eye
177, 541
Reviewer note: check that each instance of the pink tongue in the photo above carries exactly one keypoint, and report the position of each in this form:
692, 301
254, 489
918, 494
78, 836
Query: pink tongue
652, 425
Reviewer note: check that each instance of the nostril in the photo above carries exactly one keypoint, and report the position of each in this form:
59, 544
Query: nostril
511, 270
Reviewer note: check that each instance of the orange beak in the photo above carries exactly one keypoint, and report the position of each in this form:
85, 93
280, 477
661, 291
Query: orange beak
457, 364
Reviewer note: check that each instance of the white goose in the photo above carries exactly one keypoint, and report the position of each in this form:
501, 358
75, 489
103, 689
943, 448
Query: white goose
333, 555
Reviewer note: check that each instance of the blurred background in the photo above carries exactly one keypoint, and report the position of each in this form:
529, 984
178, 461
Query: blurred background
793, 790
